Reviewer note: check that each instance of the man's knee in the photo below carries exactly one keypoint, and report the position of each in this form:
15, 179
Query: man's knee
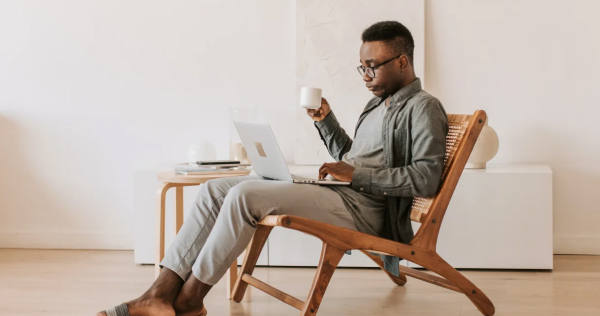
241, 200
214, 188
243, 192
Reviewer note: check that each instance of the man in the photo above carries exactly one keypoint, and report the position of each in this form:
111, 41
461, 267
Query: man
397, 153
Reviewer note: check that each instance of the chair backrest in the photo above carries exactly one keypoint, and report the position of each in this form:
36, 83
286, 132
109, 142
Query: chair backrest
463, 133
458, 125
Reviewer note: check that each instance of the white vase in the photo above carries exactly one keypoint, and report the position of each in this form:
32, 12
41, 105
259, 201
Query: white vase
485, 148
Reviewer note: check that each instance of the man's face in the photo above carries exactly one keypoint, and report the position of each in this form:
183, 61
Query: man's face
388, 77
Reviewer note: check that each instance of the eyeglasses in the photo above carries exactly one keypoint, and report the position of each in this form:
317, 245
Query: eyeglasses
370, 71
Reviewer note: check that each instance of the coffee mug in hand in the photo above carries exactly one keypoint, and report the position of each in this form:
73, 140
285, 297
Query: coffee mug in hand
310, 98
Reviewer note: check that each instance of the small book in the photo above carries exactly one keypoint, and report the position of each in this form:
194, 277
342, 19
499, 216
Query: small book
214, 171
196, 167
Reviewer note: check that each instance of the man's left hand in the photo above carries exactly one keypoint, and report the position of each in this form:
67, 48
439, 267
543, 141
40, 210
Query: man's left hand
339, 170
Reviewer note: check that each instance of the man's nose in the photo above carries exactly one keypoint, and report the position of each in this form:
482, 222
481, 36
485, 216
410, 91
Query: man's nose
366, 78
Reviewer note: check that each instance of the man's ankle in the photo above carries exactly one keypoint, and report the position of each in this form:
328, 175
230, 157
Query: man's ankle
160, 294
188, 306
166, 287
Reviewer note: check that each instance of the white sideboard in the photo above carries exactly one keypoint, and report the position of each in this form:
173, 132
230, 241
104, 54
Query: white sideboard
498, 218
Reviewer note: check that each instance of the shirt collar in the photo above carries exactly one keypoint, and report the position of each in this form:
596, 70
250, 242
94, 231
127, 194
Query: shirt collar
406, 92
398, 97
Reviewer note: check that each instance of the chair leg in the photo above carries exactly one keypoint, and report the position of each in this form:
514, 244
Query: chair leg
256, 245
479, 299
399, 280
330, 258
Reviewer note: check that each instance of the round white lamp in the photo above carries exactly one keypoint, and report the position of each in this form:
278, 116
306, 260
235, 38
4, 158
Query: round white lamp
202, 150
485, 148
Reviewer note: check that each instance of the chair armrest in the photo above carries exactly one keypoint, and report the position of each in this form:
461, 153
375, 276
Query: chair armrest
346, 239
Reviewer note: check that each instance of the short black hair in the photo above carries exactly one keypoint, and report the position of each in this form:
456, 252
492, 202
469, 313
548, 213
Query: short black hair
395, 35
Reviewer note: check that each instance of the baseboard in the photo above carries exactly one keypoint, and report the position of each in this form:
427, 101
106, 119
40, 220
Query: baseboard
58, 240
580, 245
577, 245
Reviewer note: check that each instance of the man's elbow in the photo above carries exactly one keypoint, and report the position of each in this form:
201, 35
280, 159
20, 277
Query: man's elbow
430, 186
429, 189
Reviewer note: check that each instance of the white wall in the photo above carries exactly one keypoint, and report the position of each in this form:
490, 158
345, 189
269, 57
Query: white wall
534, 66
90, 92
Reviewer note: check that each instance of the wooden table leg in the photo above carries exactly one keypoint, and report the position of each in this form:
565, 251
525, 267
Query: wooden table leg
160, 231
178, 208
160, 226
231, 278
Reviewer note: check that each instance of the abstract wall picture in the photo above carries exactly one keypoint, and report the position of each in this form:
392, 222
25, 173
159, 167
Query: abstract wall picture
327, 52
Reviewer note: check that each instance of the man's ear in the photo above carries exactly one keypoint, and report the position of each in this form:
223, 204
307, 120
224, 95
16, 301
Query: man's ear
403, 62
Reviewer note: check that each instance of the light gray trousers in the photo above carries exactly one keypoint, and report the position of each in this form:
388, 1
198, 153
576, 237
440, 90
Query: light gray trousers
223, 219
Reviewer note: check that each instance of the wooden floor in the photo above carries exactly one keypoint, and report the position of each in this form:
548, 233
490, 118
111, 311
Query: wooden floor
74, 282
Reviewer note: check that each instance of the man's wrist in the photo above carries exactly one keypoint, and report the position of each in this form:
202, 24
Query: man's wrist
326, 115
329, 124
361, 180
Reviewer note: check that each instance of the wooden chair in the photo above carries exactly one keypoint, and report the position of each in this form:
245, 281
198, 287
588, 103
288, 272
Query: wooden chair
464, 130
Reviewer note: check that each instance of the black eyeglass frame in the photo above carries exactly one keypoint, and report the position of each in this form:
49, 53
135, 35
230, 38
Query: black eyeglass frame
362, 69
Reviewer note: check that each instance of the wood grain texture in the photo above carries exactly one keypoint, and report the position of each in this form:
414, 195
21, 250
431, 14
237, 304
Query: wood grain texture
346, 239
330, 258
252, 253
282, 296
160, 225
83, 282
231, 277
172, 177
178, 208
424, 276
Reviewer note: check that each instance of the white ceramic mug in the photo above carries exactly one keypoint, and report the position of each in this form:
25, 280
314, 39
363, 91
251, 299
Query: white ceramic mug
310, 98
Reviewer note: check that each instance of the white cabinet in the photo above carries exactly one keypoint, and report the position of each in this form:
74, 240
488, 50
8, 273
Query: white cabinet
292, 248
498, 218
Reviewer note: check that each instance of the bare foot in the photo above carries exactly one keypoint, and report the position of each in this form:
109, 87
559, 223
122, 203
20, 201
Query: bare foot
201, 312
147, 307
190, 300
189, 308
158, 299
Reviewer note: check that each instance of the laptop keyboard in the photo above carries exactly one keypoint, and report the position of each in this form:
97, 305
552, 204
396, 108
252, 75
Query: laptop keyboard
295, 177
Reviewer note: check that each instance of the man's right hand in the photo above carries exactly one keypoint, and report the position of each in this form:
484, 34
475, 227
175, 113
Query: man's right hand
320, 113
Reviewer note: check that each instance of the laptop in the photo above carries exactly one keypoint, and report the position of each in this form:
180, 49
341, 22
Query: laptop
266, 157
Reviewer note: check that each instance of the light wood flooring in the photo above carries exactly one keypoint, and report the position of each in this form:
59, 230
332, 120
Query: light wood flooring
82, 282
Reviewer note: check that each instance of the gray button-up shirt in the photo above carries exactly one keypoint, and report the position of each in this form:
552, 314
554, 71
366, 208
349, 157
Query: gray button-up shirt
414, 143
